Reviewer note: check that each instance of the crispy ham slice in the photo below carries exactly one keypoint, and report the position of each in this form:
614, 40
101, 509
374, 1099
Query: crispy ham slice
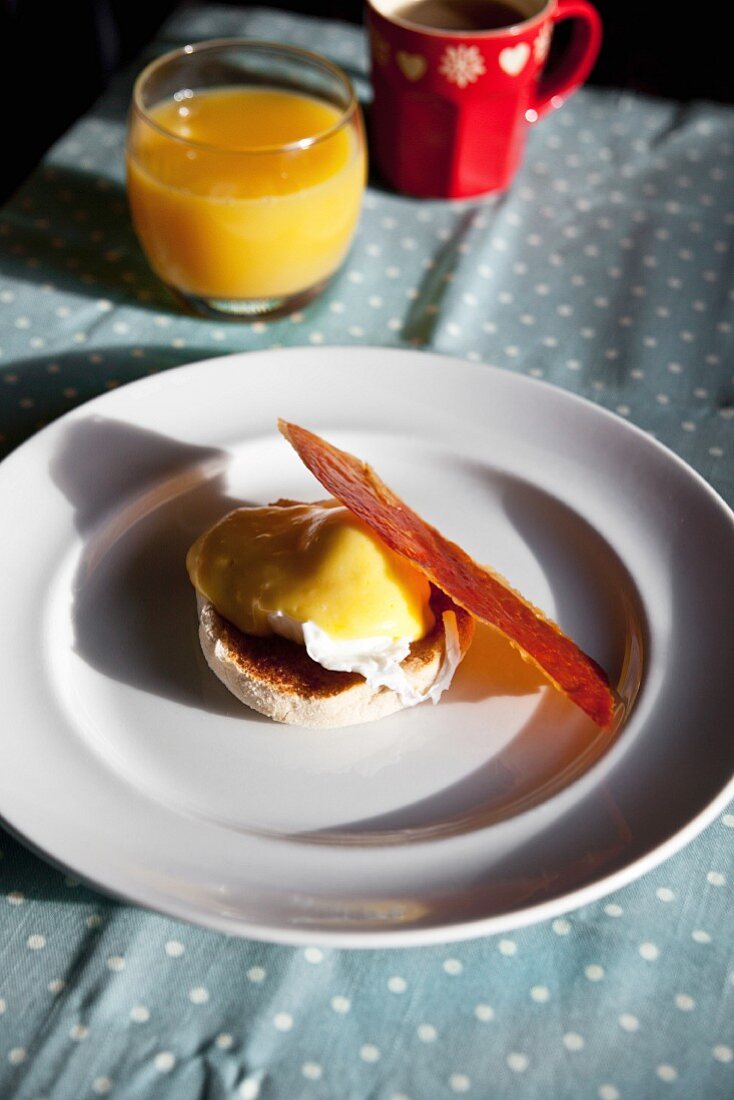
482, 593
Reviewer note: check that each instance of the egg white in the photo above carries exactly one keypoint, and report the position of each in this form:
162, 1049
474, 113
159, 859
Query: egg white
379, 660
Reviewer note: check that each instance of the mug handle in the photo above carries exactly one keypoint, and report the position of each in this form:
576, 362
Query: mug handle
577, 60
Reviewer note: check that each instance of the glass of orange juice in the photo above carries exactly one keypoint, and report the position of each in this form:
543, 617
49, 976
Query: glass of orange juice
246, 167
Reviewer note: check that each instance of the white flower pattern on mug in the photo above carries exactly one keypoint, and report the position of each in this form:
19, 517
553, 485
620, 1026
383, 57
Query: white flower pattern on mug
462, 65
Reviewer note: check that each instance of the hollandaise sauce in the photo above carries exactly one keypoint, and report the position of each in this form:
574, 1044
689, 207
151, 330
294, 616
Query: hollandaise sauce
314, 563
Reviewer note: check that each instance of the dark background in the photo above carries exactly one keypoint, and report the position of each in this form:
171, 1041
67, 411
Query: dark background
55, 58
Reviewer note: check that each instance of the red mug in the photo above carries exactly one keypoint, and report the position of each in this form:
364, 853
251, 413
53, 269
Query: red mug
452, 108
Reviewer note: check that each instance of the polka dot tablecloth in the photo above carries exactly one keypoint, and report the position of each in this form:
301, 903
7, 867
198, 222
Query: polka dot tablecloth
607, 271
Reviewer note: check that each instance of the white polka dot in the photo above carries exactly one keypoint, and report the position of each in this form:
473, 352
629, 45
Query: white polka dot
313, 955
250, 1088
507, 947
727, 819
56, 985
484, 1013
17, 1055
594, 972
199, 995
518, 1062
36, 942
15, 897
164, 1061
664, 894
699, 936
723, 1053
79, 1032
573, 1041
140, 1014
540, 994
3, 1005
397, 984
459, 1082
426, 1033
667, 1073
174, 949
224, 1041
101, 1085
316, 337
561, 927
369, 1053
649, 951
283, 1021
116, 963
453, 966
256, 974
341, 1004
684, 1002
311, 1070
608, 1092
628, 1022
715, 878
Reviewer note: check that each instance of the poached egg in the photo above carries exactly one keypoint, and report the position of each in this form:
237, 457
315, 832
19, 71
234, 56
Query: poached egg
320, 577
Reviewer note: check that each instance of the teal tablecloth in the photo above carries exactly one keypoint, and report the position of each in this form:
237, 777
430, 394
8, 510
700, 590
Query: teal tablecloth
606, 270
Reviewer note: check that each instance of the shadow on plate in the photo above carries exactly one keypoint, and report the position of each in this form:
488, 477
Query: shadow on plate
597, 602
140, 500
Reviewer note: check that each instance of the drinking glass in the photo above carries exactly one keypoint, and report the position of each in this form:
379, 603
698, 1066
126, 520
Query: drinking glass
245, 172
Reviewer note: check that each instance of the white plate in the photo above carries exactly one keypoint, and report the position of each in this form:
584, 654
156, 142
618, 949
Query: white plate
127, 762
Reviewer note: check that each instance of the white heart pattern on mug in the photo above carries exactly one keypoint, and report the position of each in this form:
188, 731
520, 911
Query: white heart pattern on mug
380, 49
513, 59
412, 65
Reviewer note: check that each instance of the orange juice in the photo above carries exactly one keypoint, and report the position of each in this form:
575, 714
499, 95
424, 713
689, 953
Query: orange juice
244, 192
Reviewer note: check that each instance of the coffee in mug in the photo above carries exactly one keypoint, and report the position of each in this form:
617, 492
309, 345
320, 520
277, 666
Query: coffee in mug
461, 15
